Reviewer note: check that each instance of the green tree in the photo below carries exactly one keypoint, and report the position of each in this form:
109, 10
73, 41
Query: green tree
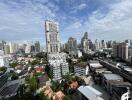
33, 84
41, 96
14, 76
3, 68
67, 97
35, 62
55, 86
14, 64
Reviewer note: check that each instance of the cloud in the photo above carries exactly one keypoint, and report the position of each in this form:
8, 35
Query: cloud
82, 6
74, 26
102, 19
117, 21
20, 20
79, 7
114, 24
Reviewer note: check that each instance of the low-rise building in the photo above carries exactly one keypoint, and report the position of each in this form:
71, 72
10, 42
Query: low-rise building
95, 66
89, 93
81, 68
8, 88
107, 77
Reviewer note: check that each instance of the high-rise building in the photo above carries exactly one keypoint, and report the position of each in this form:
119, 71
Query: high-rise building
130, 52
120, 50
91, 46
96, 45
103, 43
6, 49
130, 42
2, 45
57, 60
109, 44
52, 36
85, 43
28, 48
64, 47
13, 47
72, 46
37, 46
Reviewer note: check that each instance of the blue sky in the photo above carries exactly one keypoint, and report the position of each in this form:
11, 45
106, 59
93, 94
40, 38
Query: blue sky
103, 19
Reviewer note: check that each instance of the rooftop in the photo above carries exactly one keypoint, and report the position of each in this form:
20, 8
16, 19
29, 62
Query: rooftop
110, 76
90, 93
82, 64
9, 90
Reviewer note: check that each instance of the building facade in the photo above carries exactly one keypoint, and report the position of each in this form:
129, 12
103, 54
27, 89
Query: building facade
58, 65
37, 46
85, 43
81, 69
52, 36
72, 46
120, 50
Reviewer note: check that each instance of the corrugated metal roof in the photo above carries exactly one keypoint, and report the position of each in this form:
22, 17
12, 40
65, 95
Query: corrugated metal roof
90, 93
110, 76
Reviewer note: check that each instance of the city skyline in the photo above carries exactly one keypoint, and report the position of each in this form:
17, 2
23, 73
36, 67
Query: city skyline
103, 19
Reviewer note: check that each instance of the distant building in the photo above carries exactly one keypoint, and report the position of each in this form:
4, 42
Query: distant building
2, 43
6, 49
103, 44
130, 42
52, 36
72, 46
91, 45
13, 47
97, 45
130, 52
28, 48
32, 48
120, 50
85, 43
109, 44
3, 62
81, 69
37, 47
79, 53
64, 47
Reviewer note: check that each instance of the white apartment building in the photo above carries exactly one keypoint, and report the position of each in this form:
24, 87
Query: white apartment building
58, 65
4, 62
81, 68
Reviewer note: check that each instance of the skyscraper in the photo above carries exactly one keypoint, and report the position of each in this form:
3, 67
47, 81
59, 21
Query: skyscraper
103, 43
72, 46
96, 45
57, 60
37, 46
85, 43
2, 45
52, 36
